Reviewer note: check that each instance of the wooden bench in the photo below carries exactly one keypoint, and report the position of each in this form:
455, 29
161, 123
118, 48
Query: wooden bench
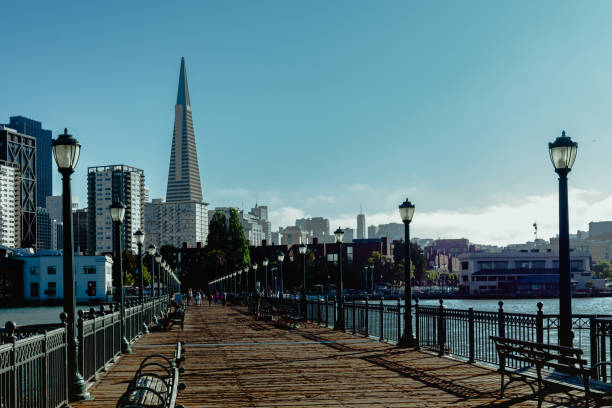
286, 315
553, 368
156, 383
263, 310
175, 314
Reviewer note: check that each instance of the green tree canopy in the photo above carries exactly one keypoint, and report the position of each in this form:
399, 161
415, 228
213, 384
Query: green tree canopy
603, 269
239, 256
217, 232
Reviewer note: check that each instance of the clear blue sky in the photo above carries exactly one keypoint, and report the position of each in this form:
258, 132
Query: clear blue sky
317, 107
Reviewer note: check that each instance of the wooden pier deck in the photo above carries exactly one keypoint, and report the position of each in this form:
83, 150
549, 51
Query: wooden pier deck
234, 361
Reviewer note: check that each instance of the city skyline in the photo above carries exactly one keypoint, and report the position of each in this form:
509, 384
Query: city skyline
438, 111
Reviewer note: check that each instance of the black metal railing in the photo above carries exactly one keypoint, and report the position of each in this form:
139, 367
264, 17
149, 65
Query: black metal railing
464, 333
33, 369
33, 359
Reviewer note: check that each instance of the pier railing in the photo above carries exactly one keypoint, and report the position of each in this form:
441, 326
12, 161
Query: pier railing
463, 333
33, 359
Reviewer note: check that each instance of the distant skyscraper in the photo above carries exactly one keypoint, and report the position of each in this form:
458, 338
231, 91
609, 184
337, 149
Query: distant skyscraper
79, 230
43, 229
349, 234
184, 173
44, 162
183, 217
106, 184
372, 231
361, 226
10, 205
19, 150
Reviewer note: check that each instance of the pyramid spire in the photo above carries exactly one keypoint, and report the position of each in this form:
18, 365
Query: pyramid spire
184, 173
182, 97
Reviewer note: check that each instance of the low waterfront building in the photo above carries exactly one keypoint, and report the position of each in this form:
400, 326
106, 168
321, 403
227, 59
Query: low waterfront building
43, 277
522, 273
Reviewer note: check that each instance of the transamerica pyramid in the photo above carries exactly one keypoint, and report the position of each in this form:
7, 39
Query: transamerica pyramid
184, 173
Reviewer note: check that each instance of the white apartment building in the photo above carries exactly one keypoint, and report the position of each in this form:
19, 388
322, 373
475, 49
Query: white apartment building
10, 232
294, 236
106, 184
43, 277
174, 223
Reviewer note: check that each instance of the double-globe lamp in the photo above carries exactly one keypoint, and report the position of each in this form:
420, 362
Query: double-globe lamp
339, 235
563, 154
66, 151
406, 210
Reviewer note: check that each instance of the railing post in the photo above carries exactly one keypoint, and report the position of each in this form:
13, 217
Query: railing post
417, 327
45, 372
501, 321
367, 312
318, 310
326, 300
472, 345
354, 319
441, 334
540, 324
382, 317
11, 401
94, 350
80, 337
594, 347
399, 320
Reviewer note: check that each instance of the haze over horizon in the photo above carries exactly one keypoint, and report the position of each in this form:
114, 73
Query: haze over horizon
315, 109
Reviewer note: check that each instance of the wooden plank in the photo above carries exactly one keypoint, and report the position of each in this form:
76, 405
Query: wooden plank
234, 361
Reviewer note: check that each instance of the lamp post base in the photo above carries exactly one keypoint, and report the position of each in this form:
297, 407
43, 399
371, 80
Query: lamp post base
77, 389
145, 328
125, 346
406, 342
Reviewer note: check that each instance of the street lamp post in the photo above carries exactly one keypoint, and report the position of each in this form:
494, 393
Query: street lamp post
66, 150
151, 250
265, 264
339, 234
406, 210
162, 277
117, 212
255, 278
302, 249
139, 236
281, 258
158, 259
562, 154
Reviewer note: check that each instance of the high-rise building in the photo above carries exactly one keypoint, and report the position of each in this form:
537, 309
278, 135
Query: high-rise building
175, 223
393, 231
10, 205
318, 227
44, 159
79, 230
184, 173
20, 150
260, 212
349, 235
106, 184
183, 217
57, 234
43, 229
361, 226
372, 231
